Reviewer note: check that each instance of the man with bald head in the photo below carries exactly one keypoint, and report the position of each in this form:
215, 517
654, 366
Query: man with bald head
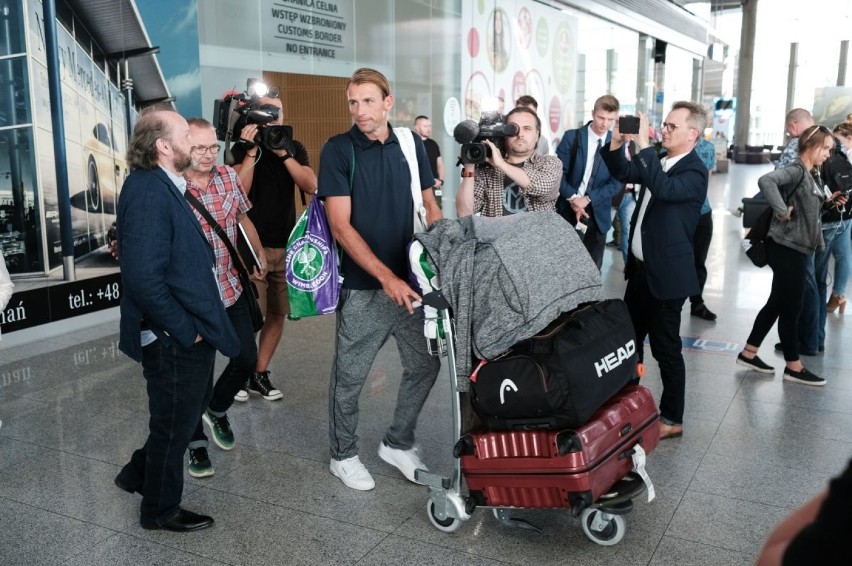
172, 320
798, 120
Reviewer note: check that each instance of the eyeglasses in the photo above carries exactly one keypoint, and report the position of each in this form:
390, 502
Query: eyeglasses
202, 149
669, 127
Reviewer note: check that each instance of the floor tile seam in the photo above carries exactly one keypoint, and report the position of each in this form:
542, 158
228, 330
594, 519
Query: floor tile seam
742, 500
181, 549
84, 412
60, 450
792, 466
453, 549
91, 546
58, 514
793, 404
281, 506
702, 543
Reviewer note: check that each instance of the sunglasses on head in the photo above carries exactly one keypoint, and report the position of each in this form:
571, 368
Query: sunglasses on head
807, 134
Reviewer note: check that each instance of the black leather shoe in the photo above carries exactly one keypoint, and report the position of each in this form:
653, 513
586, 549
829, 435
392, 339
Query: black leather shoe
802, 350
183, 521
701, 311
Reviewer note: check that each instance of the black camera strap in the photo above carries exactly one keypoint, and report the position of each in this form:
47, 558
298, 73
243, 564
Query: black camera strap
202, 210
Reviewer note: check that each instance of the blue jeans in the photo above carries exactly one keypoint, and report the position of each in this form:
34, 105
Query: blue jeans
837, 243
809, 316
179, 384
625, 213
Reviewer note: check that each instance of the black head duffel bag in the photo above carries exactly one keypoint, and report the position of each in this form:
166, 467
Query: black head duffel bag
558, 378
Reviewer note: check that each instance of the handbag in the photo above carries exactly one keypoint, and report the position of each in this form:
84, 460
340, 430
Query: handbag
249, 288
756, 238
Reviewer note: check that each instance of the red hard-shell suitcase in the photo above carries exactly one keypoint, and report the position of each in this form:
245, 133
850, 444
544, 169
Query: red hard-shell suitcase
560, 468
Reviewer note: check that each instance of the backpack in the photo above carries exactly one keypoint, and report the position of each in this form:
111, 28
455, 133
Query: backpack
837, 174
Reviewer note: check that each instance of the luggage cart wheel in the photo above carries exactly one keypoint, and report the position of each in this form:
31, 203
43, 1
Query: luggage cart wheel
603, 528
448, 525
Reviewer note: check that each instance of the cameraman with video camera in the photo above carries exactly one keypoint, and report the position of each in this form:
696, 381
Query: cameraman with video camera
496, 185
269, 177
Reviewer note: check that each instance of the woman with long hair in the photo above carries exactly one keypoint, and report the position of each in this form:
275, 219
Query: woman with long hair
797, 199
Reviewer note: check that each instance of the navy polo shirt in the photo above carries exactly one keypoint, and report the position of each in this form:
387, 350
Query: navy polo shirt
382, 207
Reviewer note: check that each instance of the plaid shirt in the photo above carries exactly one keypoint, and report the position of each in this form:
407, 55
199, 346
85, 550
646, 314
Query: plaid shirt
225, 199
545, 173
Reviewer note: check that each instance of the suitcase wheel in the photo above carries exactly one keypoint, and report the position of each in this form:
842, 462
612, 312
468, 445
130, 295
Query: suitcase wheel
603, 528
448, 525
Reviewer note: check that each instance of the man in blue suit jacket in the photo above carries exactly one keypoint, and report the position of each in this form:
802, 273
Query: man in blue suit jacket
587, 187
660, 269
172, 319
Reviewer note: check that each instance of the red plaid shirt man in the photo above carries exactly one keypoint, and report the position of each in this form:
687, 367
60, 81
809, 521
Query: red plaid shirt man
225, 199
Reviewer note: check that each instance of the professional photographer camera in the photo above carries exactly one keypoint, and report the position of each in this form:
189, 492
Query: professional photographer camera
497, 185
471, 135
237, 110
270, 164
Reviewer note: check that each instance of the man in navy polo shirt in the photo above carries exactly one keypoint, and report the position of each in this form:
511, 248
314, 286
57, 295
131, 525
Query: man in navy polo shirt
365, 182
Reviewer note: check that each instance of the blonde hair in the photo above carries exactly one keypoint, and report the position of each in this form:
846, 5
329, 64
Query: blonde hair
366, 75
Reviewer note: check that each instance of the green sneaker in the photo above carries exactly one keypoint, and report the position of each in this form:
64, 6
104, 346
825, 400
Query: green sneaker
199, 463
220, 428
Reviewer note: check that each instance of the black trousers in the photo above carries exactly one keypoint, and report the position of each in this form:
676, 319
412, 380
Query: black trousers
701, 241
593, 240
238, 370
179, 384
785, 299
659, 320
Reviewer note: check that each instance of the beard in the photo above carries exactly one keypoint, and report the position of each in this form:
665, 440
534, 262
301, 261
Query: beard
183, 161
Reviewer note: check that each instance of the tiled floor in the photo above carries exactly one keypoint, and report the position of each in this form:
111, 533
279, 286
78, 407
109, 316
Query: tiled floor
73, 409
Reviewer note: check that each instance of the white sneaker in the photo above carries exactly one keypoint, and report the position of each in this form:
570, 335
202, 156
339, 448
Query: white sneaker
352, 473
241, 396
406, 461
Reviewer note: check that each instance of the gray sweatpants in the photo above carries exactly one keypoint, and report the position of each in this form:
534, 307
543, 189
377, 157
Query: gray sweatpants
365, 321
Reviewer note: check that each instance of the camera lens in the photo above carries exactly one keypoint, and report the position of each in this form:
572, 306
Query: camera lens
475, 153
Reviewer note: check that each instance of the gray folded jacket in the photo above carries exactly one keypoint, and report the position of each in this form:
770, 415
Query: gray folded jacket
507, 278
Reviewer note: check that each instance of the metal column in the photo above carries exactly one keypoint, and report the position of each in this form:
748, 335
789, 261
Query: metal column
744, 76
61, 161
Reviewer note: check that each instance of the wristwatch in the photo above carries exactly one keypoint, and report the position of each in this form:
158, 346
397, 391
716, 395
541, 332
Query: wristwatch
286, 156
466, 174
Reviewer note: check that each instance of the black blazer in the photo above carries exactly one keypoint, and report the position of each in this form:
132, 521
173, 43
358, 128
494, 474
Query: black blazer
670, 218
166, 269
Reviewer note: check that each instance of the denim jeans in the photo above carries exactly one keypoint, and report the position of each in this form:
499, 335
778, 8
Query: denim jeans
238, 370
179, 386
625, 213
838, 244
809, 316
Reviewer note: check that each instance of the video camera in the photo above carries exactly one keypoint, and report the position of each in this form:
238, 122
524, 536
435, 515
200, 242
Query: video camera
235, 110
471, 135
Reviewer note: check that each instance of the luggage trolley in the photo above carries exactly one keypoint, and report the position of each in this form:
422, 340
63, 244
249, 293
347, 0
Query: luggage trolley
601, 509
